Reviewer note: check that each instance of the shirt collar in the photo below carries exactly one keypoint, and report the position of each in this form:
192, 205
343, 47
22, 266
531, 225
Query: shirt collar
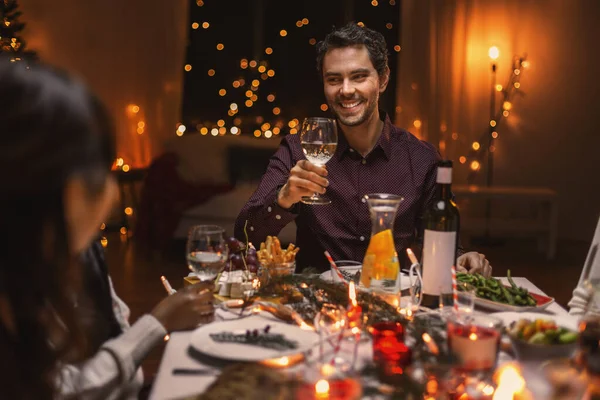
384, 141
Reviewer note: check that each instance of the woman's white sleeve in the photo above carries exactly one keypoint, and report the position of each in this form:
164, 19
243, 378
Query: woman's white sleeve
112, 370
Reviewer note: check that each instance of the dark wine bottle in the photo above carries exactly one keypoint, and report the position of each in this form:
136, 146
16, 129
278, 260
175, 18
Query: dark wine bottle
441, 222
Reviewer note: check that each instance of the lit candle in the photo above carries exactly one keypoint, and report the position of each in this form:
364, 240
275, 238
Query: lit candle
322, 389
412, 257
354, 310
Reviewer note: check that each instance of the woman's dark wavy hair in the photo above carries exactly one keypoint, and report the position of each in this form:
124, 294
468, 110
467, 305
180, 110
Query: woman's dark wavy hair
51, 128
352, 34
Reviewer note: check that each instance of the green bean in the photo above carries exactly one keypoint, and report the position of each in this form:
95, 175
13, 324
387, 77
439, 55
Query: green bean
493, 289
508, 296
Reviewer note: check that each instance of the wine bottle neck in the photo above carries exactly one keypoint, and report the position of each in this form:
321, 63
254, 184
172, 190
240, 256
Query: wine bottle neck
445, 190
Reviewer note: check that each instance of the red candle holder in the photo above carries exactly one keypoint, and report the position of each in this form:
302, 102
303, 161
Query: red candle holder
338, 389
390, 353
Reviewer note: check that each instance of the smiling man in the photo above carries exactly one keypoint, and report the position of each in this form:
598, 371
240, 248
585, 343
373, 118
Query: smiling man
372, 156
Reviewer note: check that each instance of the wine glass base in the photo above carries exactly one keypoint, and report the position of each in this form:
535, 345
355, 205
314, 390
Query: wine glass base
315, 200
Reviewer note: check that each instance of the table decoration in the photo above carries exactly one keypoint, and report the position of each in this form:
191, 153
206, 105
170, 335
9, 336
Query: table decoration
474, 339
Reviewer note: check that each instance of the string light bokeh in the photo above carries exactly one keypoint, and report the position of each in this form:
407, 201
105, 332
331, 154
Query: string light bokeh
260, 79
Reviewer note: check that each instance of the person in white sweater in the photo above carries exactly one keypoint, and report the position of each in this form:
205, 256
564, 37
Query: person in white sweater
589, 280
63, 331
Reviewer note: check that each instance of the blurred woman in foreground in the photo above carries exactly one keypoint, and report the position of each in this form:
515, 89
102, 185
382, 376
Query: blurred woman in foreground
59, 335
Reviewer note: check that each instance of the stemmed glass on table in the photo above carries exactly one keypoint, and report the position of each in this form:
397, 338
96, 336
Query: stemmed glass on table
206, 251
318, 137
330, 322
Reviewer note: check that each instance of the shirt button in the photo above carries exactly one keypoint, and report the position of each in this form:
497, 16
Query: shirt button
363, 162
363, 200
269, 209
362, 238
278, 216
252, 228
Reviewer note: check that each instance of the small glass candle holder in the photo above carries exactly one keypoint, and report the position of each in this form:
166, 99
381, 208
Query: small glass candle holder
390, 353
474, 339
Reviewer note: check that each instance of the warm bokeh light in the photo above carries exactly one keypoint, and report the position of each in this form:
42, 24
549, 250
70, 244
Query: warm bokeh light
128, 211
417, 123
322, 387
324, 107
462, 159
276, 111
211, 72
495, 135
268, 50
475, 165
498, 88
283, 33
475, 145
507, 105
492, 123
397, 48
517, 85
220, 46
188, 67
454, 136
195, 25
205, 25
494, 53
389, 25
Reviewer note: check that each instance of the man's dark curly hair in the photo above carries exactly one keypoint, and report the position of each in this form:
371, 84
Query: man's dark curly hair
352, 34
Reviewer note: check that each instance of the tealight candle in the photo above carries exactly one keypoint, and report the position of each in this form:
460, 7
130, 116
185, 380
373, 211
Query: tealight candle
474, 341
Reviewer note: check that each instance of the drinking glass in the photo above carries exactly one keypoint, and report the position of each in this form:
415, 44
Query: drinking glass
207, 251
474, 339
330, 322
318, 138
465, 297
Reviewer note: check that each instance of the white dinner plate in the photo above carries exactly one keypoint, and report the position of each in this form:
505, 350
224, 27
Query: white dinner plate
566, 321
404, 281
201, 339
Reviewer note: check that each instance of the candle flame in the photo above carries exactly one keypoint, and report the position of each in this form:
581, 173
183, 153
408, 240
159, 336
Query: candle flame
283, 361
430, 343
256, 309
411, 256
473, 336
510, 382
352, 293
322, 386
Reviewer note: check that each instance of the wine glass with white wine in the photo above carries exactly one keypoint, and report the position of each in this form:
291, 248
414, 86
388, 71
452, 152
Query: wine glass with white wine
318, 137
207, 251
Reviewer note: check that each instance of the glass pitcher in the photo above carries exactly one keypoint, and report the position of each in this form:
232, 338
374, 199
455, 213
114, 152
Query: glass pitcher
381, 268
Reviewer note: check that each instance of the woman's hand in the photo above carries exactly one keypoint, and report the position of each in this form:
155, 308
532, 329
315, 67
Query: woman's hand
474, 262
187, 308
305, 180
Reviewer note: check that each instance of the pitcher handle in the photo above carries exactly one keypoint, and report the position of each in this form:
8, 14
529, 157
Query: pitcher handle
416, 269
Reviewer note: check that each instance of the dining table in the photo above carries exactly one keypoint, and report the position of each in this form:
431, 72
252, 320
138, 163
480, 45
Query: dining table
184, 372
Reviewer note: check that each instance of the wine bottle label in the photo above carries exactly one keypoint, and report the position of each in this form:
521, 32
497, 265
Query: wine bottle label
444, 175
439, 252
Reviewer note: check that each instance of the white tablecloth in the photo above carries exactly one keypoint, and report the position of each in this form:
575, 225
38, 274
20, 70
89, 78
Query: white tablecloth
169, 386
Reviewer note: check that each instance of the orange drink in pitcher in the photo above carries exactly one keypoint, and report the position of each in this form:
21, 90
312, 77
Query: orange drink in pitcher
380, 265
